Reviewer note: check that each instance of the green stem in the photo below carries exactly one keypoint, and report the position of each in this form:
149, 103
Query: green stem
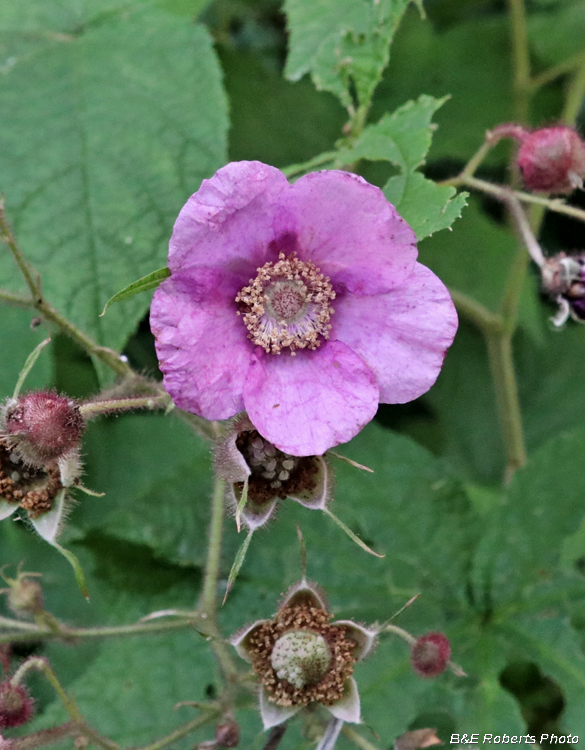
106, 406
502, 368
520, 59
43, 666
187, 728
307, 166
209, 593
503, 192
548, 76
46, 737
357, 739
575, 96
34, 633
33, 280
487, 321
11, 298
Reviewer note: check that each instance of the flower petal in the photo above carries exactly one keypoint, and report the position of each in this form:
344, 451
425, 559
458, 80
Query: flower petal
402, 336
201, 343
304, 594
49, 524
6, 509
271, 714
229, 218
350, 231
241, 640
311, 402
317, 498
347, 708
364, 637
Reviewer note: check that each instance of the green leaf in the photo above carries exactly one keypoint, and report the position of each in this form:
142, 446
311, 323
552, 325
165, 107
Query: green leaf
345, 49
17, 338
468, 60
150, 281
523, 543
403, 138
557, 32
109, 122
156, 475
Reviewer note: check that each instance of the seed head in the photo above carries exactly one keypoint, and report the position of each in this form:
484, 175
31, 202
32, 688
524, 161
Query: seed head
42, 427
16, 706
552, 160
430, 654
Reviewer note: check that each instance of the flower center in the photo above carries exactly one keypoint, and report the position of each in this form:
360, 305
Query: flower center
287, 305
300, 657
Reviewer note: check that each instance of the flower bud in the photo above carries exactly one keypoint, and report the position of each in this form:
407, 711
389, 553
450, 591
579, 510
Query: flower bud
227, 734
16, 706
42, 427
430, 654
552, 160
25, 596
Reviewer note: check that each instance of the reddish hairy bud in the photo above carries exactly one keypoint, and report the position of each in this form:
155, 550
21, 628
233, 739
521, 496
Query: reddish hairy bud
16, 706
42, 427
227, 734
430, 654
552, 160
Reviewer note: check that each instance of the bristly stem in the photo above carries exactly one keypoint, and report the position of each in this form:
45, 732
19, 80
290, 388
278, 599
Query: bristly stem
108, 406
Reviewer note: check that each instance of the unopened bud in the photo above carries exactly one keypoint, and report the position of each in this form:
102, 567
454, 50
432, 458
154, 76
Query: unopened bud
430, 654
16, 706
227, 734
552, 160
42, 427
25, 596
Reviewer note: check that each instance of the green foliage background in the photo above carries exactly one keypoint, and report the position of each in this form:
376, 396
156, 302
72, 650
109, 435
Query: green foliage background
111, 114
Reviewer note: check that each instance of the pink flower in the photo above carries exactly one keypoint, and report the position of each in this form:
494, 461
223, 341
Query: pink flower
301, 304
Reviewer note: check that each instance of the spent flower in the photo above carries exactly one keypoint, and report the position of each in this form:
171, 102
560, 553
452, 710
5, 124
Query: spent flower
245, 459
430, 654
301, 304
301, 657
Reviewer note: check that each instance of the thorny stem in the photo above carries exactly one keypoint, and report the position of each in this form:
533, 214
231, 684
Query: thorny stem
33, 280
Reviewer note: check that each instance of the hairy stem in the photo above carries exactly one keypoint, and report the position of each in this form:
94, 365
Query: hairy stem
209, 592
34, 633
503, 192
107, 406
502, 368
46, 736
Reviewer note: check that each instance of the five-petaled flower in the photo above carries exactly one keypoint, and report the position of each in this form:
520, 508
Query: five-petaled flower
302, 658
301, 304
